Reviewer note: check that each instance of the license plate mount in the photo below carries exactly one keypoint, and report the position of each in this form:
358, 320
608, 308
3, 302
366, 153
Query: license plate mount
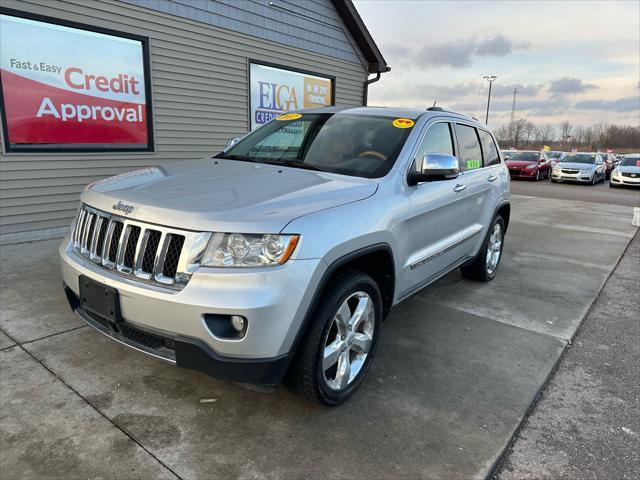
99, 299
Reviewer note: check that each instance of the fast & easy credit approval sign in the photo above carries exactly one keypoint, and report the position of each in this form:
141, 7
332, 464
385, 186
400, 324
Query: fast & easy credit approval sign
275, 91
66, 88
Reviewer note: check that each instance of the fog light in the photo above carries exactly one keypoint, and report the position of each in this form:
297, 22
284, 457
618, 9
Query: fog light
239, 323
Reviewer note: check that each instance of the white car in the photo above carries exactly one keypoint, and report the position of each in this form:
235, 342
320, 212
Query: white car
627, 172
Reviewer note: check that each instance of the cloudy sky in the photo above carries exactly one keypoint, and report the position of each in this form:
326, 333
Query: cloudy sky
570, 60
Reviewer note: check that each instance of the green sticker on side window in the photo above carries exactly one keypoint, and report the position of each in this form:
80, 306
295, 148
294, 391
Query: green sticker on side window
471, 164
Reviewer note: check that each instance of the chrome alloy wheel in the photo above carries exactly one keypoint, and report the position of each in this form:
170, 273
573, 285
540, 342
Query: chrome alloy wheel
348, 341
494, 249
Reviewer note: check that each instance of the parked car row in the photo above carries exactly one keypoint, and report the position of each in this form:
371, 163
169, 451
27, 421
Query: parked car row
577, 167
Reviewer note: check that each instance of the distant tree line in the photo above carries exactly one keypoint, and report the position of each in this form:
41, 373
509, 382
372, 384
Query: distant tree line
524, 134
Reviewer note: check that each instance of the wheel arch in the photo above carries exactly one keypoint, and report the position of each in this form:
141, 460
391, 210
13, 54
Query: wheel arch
375, 260
504, 211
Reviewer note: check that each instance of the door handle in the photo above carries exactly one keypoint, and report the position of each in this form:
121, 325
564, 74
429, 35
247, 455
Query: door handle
459, 187
492, 178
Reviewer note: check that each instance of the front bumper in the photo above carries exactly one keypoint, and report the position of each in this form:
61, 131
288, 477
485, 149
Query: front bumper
571, 177
273, 300
522, 173
628, 181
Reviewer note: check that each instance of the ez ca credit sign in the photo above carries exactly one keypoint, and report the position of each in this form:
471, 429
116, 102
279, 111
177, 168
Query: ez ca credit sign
66, 88
274, 91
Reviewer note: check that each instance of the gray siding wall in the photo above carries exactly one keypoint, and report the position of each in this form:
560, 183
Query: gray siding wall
200, 99
312, 25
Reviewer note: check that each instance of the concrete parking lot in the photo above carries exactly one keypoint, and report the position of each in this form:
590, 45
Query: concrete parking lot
457, 369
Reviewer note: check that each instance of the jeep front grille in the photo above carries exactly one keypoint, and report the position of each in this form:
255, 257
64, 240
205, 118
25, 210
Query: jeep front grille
140, 251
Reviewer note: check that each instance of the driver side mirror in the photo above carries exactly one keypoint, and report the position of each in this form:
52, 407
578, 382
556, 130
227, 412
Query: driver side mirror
435, 166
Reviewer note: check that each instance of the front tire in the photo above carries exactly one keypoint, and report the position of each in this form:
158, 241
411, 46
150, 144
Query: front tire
339, 346
485, 265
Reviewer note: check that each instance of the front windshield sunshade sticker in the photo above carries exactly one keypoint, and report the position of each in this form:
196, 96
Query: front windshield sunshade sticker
471, 164
289, 116
403, 123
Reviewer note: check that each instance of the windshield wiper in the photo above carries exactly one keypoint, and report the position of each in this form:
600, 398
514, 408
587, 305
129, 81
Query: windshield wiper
241, 158
284, 163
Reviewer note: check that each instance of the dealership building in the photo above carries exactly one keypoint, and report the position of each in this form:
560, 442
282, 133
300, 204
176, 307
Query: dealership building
92, 88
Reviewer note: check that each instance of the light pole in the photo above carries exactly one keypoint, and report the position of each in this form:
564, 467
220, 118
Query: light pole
490, 79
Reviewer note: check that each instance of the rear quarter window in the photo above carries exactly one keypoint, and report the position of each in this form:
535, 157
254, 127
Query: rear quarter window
491, 156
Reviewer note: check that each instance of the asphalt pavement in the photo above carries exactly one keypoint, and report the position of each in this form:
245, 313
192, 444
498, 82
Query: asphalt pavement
599, 193
587, 423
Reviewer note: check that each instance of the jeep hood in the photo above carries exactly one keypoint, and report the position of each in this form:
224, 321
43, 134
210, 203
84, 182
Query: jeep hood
224, 195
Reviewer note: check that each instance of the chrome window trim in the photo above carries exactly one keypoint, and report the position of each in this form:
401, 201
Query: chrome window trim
418, 143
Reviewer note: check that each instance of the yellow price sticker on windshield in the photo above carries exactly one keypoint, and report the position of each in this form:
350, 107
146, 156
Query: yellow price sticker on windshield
403, 123
289, 116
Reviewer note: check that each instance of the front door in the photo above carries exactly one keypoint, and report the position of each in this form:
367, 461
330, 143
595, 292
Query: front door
437, 220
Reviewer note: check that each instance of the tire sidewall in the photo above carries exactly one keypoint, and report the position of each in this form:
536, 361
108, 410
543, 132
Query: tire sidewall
365, 284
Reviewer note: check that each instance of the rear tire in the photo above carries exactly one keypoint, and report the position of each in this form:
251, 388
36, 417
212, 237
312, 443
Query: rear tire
336, 340
486, 263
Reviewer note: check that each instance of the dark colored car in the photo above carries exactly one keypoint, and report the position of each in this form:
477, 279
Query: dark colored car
609, 163
554, 157
531, 165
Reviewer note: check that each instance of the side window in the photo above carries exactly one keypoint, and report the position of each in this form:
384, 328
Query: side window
491, 156
437, 140
470, 154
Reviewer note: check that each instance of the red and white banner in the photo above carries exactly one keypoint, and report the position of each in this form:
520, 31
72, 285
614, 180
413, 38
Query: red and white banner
66, 86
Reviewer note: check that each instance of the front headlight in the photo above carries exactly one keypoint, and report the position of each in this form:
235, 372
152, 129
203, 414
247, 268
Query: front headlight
586, 170
248, 250
533, 165
615, 172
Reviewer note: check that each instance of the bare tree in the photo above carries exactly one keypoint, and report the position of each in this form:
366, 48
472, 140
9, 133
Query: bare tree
565, 131
546, 134
518, 129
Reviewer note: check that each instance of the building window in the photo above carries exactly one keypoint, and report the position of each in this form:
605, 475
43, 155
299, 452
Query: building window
274, 90
72, 88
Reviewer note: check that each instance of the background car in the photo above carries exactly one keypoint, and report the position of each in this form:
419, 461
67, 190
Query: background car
506, 154
529, 164
554, 157
627, 172
581, 167
609, 162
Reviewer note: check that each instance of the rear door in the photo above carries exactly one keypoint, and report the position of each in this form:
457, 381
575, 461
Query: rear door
484, 176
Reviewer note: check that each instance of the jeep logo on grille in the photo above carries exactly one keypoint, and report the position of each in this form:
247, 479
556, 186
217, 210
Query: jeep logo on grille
123, 207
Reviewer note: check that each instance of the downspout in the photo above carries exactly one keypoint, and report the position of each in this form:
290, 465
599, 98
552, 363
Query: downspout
365, 93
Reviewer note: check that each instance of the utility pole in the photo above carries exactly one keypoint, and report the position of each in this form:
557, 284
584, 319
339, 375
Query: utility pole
513, 106
490, 79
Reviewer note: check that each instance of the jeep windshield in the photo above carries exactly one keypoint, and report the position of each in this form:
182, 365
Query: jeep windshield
357, 145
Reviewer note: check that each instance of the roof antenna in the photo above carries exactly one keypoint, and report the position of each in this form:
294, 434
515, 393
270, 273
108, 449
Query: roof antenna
434, 103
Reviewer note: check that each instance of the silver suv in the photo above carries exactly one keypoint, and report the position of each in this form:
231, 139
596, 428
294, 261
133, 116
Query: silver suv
279, 257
